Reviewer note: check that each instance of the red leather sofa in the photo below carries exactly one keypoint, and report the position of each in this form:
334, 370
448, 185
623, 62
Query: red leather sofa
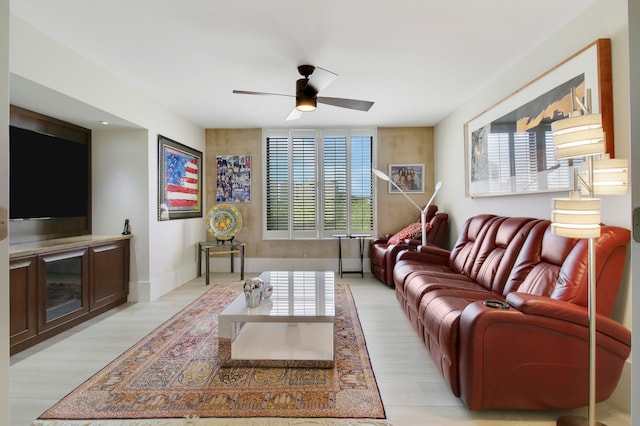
382, 253
529, 348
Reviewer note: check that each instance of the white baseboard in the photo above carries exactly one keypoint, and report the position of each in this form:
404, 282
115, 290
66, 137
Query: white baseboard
139, 291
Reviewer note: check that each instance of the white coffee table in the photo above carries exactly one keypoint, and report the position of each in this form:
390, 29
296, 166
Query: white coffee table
292, 328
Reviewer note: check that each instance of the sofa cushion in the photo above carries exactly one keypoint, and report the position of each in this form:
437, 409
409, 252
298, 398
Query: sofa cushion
412, 231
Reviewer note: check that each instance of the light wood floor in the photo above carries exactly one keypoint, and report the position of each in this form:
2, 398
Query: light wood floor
412, 389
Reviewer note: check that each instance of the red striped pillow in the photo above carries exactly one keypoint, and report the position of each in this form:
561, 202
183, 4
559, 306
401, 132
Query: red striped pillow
413, 231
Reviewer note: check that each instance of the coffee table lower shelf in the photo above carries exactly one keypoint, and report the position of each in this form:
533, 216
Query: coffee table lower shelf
278, 344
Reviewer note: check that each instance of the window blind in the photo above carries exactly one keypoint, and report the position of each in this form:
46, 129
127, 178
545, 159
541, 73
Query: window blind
318, 183
277, 184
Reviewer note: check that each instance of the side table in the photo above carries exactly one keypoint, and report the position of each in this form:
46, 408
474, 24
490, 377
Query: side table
360, 238
220, 247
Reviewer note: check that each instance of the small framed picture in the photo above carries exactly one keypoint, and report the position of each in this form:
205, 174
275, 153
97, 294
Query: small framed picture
407, 177
233, 178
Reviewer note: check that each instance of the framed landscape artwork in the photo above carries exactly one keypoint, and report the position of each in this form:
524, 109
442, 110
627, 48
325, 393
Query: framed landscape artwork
509, 148
179, 180
409, 177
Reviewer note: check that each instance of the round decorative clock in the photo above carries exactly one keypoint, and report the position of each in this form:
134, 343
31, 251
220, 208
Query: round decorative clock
224, 221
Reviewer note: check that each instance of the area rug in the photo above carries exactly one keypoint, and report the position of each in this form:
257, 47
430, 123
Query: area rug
174, 372
261, 421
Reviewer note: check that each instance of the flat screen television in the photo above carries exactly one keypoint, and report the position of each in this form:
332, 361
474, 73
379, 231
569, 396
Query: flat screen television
49, 178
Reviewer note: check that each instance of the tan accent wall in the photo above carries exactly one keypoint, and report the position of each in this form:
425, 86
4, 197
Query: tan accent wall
403, 145
395, 145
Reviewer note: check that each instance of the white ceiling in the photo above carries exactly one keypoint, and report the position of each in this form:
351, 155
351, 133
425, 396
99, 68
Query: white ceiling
418, 60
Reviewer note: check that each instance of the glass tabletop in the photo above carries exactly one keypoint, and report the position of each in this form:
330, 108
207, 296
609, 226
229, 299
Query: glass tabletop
205, 244
296, 294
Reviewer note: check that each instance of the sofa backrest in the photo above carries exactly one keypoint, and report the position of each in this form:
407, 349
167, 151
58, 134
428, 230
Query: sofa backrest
557, 267
611, 256
437, 235
519, 254
468, 243
499, 250
538, 264
430, 213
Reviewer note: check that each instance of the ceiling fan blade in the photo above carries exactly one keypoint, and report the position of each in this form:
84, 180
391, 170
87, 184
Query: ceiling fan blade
321, 78
247, 92
346, 103
294, 114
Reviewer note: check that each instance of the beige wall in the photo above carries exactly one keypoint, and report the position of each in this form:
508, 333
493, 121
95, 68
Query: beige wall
395, 145
403, 145
238, 142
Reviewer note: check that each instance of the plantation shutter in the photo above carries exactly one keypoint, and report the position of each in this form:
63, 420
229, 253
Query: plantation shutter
361, 185
304, 177
335, 184
277, 185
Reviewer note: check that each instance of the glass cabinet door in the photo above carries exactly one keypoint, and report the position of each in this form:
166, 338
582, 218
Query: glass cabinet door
64, 286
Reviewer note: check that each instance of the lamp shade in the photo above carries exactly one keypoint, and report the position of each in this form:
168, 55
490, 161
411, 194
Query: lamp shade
305, 96
610, 176
576, 217
578, 136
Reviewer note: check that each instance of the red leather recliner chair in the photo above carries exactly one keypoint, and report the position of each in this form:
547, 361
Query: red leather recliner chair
383, 253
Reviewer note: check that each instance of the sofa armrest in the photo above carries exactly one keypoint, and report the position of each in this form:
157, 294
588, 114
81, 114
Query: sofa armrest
537, 341
434, 250
394, 249
425, 254
540, 305
380, 240
411, 243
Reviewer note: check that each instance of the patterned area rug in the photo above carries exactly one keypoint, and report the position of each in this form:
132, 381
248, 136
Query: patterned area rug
218, 422
174, 372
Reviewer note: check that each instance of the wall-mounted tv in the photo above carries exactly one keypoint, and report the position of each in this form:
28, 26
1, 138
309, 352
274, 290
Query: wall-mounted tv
49, 177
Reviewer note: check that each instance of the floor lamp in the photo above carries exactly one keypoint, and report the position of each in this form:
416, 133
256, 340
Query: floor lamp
423, 212
581, 135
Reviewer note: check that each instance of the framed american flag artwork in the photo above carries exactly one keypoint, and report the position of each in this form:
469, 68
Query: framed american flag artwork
179, 180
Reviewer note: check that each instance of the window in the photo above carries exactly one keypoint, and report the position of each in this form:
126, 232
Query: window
317, 183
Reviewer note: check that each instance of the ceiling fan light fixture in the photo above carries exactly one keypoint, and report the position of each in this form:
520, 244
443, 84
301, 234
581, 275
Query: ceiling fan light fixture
305, 98
306, 104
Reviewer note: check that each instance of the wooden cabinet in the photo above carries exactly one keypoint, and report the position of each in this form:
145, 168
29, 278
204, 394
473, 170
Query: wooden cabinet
23, 304
63, 285
109, 274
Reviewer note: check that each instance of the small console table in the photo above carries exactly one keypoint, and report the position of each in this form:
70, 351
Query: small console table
360, 238
220, 247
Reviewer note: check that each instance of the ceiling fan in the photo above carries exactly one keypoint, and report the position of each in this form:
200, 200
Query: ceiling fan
307, 89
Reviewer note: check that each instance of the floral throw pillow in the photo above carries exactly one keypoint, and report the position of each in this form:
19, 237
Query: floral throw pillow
413, 231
